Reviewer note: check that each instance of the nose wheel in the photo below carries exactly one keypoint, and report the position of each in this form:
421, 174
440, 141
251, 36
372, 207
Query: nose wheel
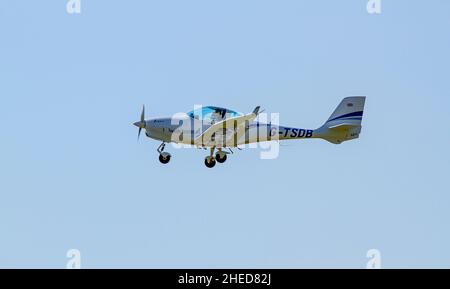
164, 157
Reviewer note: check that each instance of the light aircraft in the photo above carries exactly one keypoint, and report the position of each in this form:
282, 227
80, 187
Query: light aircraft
221, 129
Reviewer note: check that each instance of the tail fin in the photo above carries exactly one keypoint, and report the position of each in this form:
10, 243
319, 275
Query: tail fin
345, 122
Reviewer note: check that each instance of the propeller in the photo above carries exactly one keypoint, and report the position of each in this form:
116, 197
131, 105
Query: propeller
141, 124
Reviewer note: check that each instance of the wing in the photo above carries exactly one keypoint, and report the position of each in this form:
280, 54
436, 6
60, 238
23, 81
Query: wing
222, 133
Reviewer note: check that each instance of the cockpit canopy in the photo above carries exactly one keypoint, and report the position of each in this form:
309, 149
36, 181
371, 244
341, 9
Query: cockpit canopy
212, 113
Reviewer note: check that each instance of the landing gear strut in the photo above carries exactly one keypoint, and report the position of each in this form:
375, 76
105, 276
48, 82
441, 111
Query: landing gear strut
210, 161
164, 157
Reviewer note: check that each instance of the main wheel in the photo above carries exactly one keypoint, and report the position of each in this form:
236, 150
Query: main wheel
221, 157
164, 158
210, 162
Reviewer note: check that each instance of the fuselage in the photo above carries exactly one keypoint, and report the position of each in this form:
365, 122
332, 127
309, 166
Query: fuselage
184, 129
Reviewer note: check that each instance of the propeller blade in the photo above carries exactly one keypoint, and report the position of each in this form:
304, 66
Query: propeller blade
141, 124
143, 113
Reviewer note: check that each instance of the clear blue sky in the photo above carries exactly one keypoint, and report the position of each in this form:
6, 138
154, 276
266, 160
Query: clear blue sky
73, 175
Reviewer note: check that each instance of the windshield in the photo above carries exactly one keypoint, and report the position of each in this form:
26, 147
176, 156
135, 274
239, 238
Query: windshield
212, 113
